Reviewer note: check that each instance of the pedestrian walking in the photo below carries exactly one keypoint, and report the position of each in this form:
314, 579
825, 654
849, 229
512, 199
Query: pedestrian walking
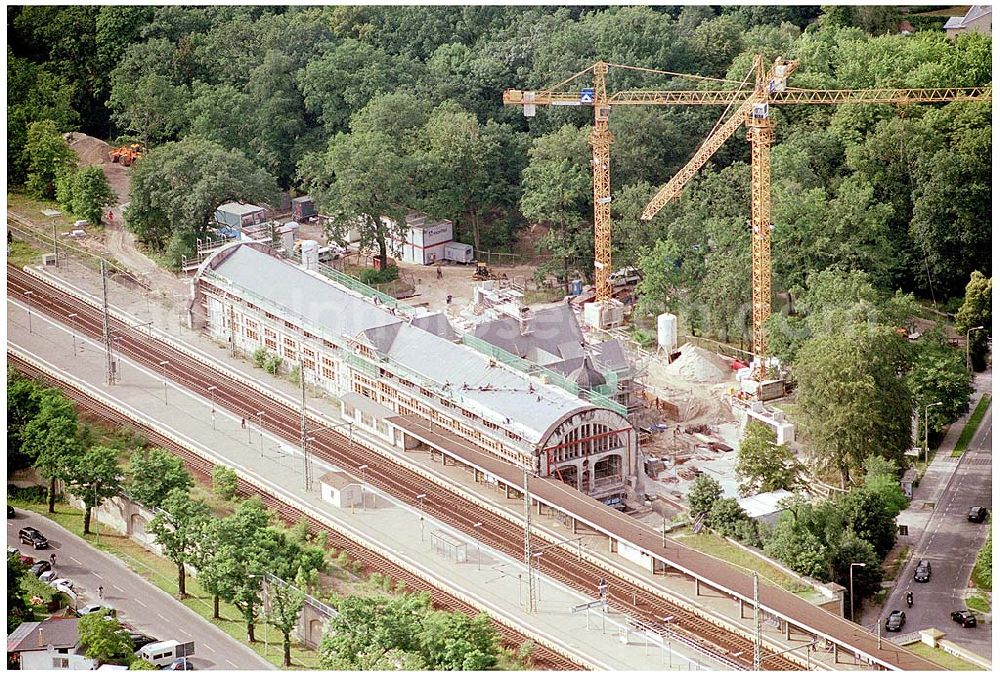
243, 423
52, 559
100, 592
439, 275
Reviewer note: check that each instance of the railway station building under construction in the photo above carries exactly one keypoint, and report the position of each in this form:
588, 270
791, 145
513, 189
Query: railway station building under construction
384, 360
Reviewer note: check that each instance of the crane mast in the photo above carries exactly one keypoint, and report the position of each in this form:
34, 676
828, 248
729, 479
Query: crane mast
600, 143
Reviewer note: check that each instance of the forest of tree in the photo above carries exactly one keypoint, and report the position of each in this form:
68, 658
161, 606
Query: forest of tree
377, 108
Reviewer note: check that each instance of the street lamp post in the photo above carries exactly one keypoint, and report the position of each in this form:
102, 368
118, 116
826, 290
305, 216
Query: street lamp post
27, 297
260, 429
477, 526
364, 471
851, 576
163, 373
72, 330
52, 214
926, 441
421, 497
211, 390
968, 354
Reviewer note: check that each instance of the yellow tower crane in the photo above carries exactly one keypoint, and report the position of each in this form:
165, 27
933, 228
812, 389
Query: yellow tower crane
754, 111
600, 139
752, 102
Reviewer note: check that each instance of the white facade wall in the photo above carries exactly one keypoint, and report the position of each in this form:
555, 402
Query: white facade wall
54, 660
424, 244
336, 369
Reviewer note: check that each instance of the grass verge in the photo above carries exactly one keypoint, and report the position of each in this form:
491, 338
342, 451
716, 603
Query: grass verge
982, 572
971, 426
163, 574
711, 544
893, 567
978, 602
941, 657
22, 254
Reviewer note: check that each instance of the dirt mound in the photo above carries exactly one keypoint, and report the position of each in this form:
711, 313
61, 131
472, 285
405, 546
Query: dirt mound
93, 151
699, 365
90, 150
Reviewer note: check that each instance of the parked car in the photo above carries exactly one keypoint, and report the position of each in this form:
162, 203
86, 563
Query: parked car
978, 513
33, 537
895, 621
63, 585
965, 618
47, 576
95, 608
922, 573
140, 640
40, 567
181, 664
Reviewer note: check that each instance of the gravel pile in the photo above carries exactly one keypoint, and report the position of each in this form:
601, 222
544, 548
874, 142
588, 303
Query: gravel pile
699, 365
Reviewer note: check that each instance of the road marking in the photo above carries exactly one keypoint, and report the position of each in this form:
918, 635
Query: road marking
163, 618
140, 603
232, 663
206, 646
99, 576
117, 588
76, 560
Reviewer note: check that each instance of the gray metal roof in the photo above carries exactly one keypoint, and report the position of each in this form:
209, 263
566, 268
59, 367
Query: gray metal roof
61, 633
240, 208
366, 404
483, 386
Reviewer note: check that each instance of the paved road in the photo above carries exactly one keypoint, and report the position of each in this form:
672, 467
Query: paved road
142, 605
951, 542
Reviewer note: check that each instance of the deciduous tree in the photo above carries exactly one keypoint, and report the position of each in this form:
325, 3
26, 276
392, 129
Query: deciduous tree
362, 181
851, 398
153, 474
49, 156
705, 491
763, 465
105, 639
977, 311
94, 477
939, 375
51, 438
179, 526
452, 641
285, 604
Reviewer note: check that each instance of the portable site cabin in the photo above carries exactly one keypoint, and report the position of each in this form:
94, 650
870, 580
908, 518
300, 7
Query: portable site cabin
459, 252
424, 241
239, 214
303, 208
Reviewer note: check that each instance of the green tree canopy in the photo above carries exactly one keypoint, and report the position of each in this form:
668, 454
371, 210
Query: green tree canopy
94, 477
763, 465
705, 492
179, 526
105, 639
177, 187
86, 193
852, 401
49, 157
977, 311
52, 439
153, 474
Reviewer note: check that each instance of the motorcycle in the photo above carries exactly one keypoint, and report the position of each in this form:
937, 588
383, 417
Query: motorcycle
909, 600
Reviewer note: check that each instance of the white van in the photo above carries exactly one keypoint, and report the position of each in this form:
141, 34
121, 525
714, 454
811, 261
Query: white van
162, 654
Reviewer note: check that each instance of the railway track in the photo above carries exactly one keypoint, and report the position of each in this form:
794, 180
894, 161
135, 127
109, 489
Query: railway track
497, 532
542, 657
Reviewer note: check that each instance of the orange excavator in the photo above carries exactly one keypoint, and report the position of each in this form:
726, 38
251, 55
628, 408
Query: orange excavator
126, 155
